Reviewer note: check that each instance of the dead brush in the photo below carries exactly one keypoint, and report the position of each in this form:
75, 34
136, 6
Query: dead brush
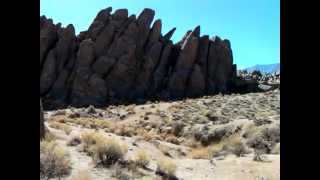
123, 130
166, 168
54, 161
108, 151
235, 145
141, 158
104, 151
206, 152
61, 126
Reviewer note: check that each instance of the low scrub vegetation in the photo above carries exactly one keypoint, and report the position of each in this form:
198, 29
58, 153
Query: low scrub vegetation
61, 126
54, 161
142, 159
166, 167
104, 151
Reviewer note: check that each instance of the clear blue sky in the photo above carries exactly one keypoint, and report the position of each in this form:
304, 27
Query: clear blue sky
252, 26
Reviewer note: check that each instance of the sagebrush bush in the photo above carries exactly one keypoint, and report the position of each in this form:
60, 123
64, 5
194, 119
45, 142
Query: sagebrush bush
142, 159
61, 126
206, 152
89, 139
108, 151
54, 161
250, 131
177, 128
123, 130
271, 134
166, 167
235, 145
104, 151
49, 137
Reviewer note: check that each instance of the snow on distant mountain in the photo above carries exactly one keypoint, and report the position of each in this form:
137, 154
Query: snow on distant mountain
265, 68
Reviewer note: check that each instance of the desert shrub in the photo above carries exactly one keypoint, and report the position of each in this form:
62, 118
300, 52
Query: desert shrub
206, 152
147, 135
177, 128
166, 167
250, 131
49, 137
200, 153
271, 134
103, 124
142, 159
260, 144
108, 151
276, 149
209, 136
54, 161
89, 139
74, 141
85, 123
257, 156
235, 145
123, 130
82, 175
61, 126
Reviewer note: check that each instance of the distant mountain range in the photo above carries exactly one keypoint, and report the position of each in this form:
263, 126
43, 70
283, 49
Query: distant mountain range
265, 68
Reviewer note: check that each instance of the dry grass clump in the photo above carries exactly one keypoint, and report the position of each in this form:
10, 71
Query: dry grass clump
206, 152
177, 128
82, 175
123, 130
232, 144
54, 161
108, 151
148, 135
166, 167
104, 151
94, 123
142, 159
89, 139
235, 145
61, 126
251, 130
49, 137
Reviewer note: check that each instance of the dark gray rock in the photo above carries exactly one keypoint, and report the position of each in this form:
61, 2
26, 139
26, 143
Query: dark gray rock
103, 65
121, 58
48, 75
169, 34
183, 68
42, 127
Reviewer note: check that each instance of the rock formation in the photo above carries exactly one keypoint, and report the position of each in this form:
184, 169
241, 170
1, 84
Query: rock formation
42, 126
122, 58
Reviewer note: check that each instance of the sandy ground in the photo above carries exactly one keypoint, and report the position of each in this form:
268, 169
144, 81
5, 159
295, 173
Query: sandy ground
230, 167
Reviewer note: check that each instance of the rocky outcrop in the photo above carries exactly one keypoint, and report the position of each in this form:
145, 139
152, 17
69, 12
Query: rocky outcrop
42, 127
123, 58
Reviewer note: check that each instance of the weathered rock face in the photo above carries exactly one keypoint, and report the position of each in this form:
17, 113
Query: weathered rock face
42, 128
126, 58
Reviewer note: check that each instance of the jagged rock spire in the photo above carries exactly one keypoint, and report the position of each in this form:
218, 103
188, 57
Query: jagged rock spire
120, 57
